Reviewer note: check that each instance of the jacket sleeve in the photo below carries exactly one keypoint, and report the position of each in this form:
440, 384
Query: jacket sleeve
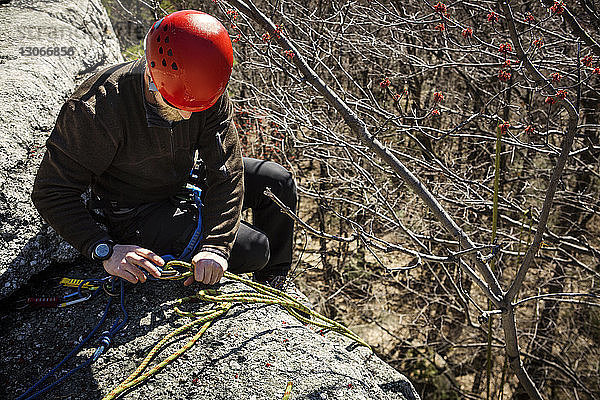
78, 148
219, 147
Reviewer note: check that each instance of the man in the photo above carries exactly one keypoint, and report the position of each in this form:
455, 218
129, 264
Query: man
131, 131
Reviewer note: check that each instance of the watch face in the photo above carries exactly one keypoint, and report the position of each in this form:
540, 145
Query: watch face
102, 250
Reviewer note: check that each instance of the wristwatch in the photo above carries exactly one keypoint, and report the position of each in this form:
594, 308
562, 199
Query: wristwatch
102, 250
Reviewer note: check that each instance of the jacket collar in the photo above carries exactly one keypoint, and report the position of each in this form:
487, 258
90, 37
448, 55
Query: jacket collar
153, 118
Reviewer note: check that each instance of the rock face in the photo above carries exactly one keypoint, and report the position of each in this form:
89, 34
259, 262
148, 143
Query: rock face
249, 353
46, 49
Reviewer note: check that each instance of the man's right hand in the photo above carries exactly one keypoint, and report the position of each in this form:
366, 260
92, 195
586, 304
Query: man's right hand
127, 262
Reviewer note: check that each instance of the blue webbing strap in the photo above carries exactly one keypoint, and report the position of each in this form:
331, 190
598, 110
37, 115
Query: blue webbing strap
190, 249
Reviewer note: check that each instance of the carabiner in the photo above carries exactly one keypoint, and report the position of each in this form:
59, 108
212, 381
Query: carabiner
108, 290
168, 272
77, 300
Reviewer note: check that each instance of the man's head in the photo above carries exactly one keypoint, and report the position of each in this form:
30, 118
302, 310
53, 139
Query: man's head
189, 58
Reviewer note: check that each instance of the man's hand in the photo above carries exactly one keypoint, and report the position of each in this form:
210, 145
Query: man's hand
127, 262
208, 268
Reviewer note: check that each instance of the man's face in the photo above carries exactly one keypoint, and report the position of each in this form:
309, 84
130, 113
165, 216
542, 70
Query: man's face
164, 110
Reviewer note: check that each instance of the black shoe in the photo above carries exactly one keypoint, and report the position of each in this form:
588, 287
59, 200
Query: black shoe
275, 281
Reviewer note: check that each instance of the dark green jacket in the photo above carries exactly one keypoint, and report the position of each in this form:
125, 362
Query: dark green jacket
101, 138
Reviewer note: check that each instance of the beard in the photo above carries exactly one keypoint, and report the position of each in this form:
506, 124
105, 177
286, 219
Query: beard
168, 113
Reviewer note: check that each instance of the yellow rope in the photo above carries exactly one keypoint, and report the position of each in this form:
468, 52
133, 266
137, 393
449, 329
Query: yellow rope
288, 391
224, 301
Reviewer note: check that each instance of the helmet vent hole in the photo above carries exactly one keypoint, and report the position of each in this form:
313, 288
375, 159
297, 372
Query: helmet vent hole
170, 53
158, 38
152, 64
160, 50
174, 66
166, 39
164, 62
165, 28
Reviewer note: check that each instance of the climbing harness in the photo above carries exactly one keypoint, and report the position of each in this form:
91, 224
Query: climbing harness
189, 251
224, 301
105, 340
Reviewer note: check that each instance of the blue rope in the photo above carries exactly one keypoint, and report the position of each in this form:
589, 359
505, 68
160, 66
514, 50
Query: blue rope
105, 340
116, 327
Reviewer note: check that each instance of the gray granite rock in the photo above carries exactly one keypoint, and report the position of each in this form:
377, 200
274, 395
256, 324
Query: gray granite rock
250, 353
34, 83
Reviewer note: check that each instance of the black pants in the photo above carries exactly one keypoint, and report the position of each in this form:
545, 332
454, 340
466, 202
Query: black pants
263, 247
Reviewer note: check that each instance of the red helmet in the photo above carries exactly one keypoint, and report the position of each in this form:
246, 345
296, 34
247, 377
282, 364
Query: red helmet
190, 58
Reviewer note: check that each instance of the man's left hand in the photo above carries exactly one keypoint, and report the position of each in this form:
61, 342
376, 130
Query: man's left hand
208, 268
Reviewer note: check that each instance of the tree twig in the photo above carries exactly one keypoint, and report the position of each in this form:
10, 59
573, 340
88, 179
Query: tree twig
489, 284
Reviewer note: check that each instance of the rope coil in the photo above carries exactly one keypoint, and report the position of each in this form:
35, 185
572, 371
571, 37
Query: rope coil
223, 302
